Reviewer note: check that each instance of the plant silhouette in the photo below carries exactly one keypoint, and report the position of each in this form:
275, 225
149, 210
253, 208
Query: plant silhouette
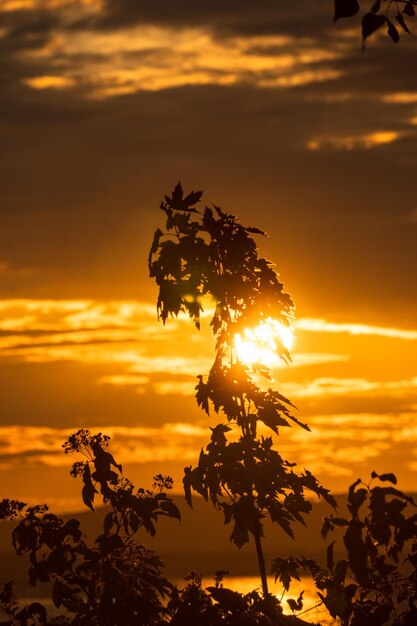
113, 582
377, 581
395, 16
208, 253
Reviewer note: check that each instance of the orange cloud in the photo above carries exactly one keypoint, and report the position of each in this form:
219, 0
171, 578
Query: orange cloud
353, 142
323, 326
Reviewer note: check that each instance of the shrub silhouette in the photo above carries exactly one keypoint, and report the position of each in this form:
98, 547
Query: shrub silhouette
114, 581
377, 581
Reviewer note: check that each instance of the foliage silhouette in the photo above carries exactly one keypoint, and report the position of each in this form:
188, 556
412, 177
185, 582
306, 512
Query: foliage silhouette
395, 16
208, 253
376, 582
116, 581
381, 563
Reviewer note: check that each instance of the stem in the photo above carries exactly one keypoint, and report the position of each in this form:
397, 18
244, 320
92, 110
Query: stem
261, 563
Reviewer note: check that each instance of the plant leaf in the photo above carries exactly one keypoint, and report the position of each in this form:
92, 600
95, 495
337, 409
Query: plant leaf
345, 8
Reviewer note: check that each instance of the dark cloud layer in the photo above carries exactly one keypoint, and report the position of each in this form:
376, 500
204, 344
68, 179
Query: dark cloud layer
82, 177
236, 17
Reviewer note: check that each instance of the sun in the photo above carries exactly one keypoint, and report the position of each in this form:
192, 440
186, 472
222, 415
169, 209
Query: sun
263, 343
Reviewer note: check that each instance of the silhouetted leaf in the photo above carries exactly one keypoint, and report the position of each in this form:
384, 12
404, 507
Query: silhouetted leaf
408, 9
356, 498
155, 245
282, 517
187, 485
371, 22
296, 605
170, 509
330, 522
134, 522
255, 231
388, 477
309, 564
345, 8
88, 492
240, 534
329, 556
285, 569
393, 32
71, 528
177, 202
358, 555
402, 22
228, 599
218, 437
193, 198
108, 522
341, 570
57, 593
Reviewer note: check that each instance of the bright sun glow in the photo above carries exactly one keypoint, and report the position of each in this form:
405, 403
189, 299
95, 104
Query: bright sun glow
262, 343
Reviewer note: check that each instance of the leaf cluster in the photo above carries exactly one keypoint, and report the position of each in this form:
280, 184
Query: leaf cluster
209, 252
115, 581
394, 15
248, 480
218, 606
376, 583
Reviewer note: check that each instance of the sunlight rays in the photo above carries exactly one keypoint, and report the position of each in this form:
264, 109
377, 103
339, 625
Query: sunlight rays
263, 344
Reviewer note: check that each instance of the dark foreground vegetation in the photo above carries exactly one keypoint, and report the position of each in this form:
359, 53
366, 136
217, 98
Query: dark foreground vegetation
115, 580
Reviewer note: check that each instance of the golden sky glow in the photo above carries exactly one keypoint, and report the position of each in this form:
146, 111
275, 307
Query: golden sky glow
262, 343
353, 142
124, 348
50, 82
193, 56
278, 115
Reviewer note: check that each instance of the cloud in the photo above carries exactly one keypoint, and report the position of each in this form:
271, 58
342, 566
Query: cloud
237, 17
153, 58
407, 97
339, 445
323, 326
352, 386
21, 445
130, 46
126, 337
123, 333
50, 82
358, 142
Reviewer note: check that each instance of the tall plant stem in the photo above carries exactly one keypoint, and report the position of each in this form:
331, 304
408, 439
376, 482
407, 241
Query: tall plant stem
261, 563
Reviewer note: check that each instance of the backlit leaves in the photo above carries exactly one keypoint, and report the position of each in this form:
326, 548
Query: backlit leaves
377, 14
285, 569
114, 580
371, 22
207, 252
211, 253
380, 537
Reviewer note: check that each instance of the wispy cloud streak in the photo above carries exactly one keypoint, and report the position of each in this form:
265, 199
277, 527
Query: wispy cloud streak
323, 326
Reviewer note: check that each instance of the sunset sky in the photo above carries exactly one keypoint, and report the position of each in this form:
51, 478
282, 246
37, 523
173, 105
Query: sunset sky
281, 118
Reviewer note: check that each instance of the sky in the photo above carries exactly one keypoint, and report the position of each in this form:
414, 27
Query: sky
282, 118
